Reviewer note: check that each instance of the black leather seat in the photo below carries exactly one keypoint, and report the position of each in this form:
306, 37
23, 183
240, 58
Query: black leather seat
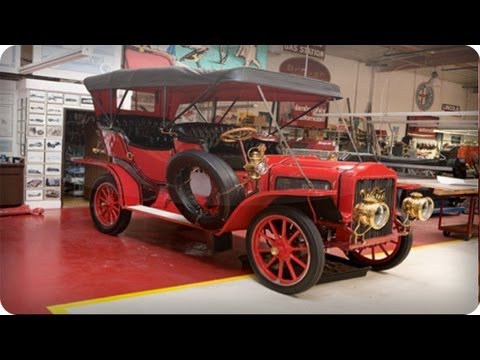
141, 131
208, 137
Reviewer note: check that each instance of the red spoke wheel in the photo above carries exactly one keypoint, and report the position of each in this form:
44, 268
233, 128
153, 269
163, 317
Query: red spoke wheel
285, 249
105, 208
383, 256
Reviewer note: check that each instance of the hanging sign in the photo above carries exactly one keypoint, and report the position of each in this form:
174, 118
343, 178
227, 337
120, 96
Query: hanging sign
450, 107
316, 51
426, 132
291, 110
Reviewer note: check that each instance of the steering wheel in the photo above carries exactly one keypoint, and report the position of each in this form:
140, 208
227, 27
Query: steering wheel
238, 134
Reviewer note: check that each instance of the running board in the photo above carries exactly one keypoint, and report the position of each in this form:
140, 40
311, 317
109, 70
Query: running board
165, 215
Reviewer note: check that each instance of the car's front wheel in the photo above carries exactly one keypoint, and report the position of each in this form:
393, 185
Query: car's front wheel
386, 255
285, 250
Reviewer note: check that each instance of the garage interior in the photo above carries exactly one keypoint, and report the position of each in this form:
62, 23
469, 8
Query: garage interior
58, 262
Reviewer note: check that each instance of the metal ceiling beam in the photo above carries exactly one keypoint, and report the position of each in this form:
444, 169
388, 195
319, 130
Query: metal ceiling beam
426, 58
460, 68
408, 54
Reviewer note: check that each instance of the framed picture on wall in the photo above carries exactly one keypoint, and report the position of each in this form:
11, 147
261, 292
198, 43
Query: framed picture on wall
37, 108
53, 109
34, 169
71, 100
54, 120
54, 145
53, 157
54, 98
34, 182
52, 194
36, 119
54, 131
52, 181
37, 96
36, 131
86, 100
35, 144
52, 169
36, 194
35, 156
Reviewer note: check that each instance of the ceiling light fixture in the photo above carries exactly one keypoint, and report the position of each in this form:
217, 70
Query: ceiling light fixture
434, 80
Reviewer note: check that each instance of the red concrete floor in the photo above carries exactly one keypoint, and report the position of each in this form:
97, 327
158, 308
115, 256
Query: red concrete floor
60, 257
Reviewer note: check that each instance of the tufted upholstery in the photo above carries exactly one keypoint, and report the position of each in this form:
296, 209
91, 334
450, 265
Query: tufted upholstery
145, 132
208, 136
141, 131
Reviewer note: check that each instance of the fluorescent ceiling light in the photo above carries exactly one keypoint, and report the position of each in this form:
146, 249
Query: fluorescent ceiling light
85, 50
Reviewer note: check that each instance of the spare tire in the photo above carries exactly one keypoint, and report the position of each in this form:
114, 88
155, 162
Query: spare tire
225, 188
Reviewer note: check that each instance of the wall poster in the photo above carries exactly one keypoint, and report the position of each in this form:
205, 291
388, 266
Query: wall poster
425, 131
196, 56
287, 111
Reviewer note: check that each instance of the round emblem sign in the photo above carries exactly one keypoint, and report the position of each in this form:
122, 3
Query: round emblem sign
424, 96
296, 66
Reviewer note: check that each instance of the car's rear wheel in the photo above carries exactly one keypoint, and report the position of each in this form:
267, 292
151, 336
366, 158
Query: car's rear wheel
383, 256
285, 250
105, 208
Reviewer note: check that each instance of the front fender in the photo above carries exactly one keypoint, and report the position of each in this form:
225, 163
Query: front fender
249, 208
129, 190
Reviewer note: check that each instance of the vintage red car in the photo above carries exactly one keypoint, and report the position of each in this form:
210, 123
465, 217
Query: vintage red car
221, 178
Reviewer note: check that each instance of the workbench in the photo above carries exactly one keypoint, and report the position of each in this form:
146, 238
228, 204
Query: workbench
443, 191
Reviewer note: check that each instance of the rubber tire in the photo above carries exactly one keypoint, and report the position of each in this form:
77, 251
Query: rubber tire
219, 172
402, 253
125, 215
317, 252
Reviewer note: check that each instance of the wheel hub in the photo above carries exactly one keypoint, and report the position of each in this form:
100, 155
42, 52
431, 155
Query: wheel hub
274, 251
282, 249
107, 202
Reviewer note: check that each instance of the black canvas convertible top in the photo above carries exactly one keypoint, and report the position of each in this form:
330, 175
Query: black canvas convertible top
188, 79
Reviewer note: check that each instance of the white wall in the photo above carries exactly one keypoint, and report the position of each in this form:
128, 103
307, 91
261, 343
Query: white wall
392, 91
395, 91
471, 102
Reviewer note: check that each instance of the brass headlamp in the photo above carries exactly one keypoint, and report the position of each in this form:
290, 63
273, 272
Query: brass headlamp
418, 207
256, 166
372, 212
